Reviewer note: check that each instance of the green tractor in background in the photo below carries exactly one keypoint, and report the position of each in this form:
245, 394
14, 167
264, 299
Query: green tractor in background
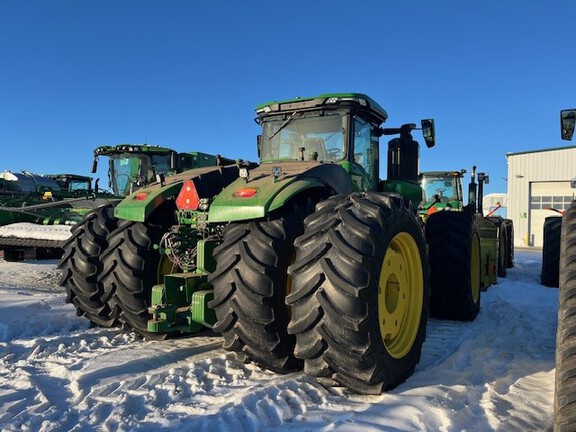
36, 212
76, 184
63, 200
307, 260
444, 192
133, 166
565, 388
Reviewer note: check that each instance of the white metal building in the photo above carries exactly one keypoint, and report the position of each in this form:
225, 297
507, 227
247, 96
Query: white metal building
537, 181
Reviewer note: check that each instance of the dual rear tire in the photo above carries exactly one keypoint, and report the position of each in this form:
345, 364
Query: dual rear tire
360, 292
348, 299
109, 268
83, 270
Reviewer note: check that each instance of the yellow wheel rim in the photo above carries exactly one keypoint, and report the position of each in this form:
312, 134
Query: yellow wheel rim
475, 269
400, 295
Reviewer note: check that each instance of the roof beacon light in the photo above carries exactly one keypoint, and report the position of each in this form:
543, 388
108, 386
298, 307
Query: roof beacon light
188, 198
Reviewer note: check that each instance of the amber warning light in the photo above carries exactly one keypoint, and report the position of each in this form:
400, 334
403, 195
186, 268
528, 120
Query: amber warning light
245, 192
188, 198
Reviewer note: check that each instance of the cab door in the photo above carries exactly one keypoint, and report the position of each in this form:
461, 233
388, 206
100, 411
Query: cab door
365, 158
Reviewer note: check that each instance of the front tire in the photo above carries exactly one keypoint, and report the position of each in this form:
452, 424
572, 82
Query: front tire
360, 292
565, 381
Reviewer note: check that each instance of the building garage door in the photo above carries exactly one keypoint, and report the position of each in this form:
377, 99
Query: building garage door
543, 196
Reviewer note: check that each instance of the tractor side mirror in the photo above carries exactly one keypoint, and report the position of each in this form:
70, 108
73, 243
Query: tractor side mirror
94, 165
429, 132
567, 120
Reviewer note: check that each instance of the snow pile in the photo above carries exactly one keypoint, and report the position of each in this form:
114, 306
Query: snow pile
35, 231
57, 373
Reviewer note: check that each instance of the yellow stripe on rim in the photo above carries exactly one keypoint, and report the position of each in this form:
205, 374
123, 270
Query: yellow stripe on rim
400, 295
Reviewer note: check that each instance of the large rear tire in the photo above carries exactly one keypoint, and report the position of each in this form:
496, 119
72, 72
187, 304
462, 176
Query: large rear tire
133, 266
551, 251
360, 292
565, 382
250, 286
82, 267
455, 265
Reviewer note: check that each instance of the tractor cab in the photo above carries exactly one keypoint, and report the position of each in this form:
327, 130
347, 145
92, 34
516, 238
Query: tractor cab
442, 190
73, 183
341, 129
132, 167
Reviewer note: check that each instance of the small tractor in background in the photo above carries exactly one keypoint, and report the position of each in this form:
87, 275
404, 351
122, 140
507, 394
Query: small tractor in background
36, 212
76, 184
565, 388
306, 260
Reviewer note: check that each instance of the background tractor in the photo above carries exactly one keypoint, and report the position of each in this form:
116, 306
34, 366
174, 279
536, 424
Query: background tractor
53, 203
444, 192
306, 260
565, 388
30, 204
132, 166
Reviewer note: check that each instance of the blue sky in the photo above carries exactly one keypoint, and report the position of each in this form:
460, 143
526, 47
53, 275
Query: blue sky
187, 74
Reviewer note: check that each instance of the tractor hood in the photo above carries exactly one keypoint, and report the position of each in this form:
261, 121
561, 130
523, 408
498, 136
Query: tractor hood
270, 185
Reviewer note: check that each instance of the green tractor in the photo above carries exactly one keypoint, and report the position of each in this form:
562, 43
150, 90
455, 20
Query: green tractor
443, 191
307, 260
62, 200
132, 166
76, 184
565, 390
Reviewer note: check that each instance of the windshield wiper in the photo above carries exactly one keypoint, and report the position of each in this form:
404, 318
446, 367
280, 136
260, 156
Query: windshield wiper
283, 125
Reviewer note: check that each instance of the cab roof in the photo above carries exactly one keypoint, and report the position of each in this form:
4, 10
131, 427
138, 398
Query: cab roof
359, 100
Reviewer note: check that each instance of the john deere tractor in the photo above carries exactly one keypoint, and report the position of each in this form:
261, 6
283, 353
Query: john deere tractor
443, 191
306, 260
565, 390
61, 200
132, 166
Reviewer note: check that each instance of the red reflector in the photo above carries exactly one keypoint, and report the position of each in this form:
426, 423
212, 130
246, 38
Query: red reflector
245, 192
188, 198
141, 196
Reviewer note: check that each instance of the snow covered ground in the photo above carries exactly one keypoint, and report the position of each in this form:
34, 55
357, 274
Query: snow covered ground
59, 374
